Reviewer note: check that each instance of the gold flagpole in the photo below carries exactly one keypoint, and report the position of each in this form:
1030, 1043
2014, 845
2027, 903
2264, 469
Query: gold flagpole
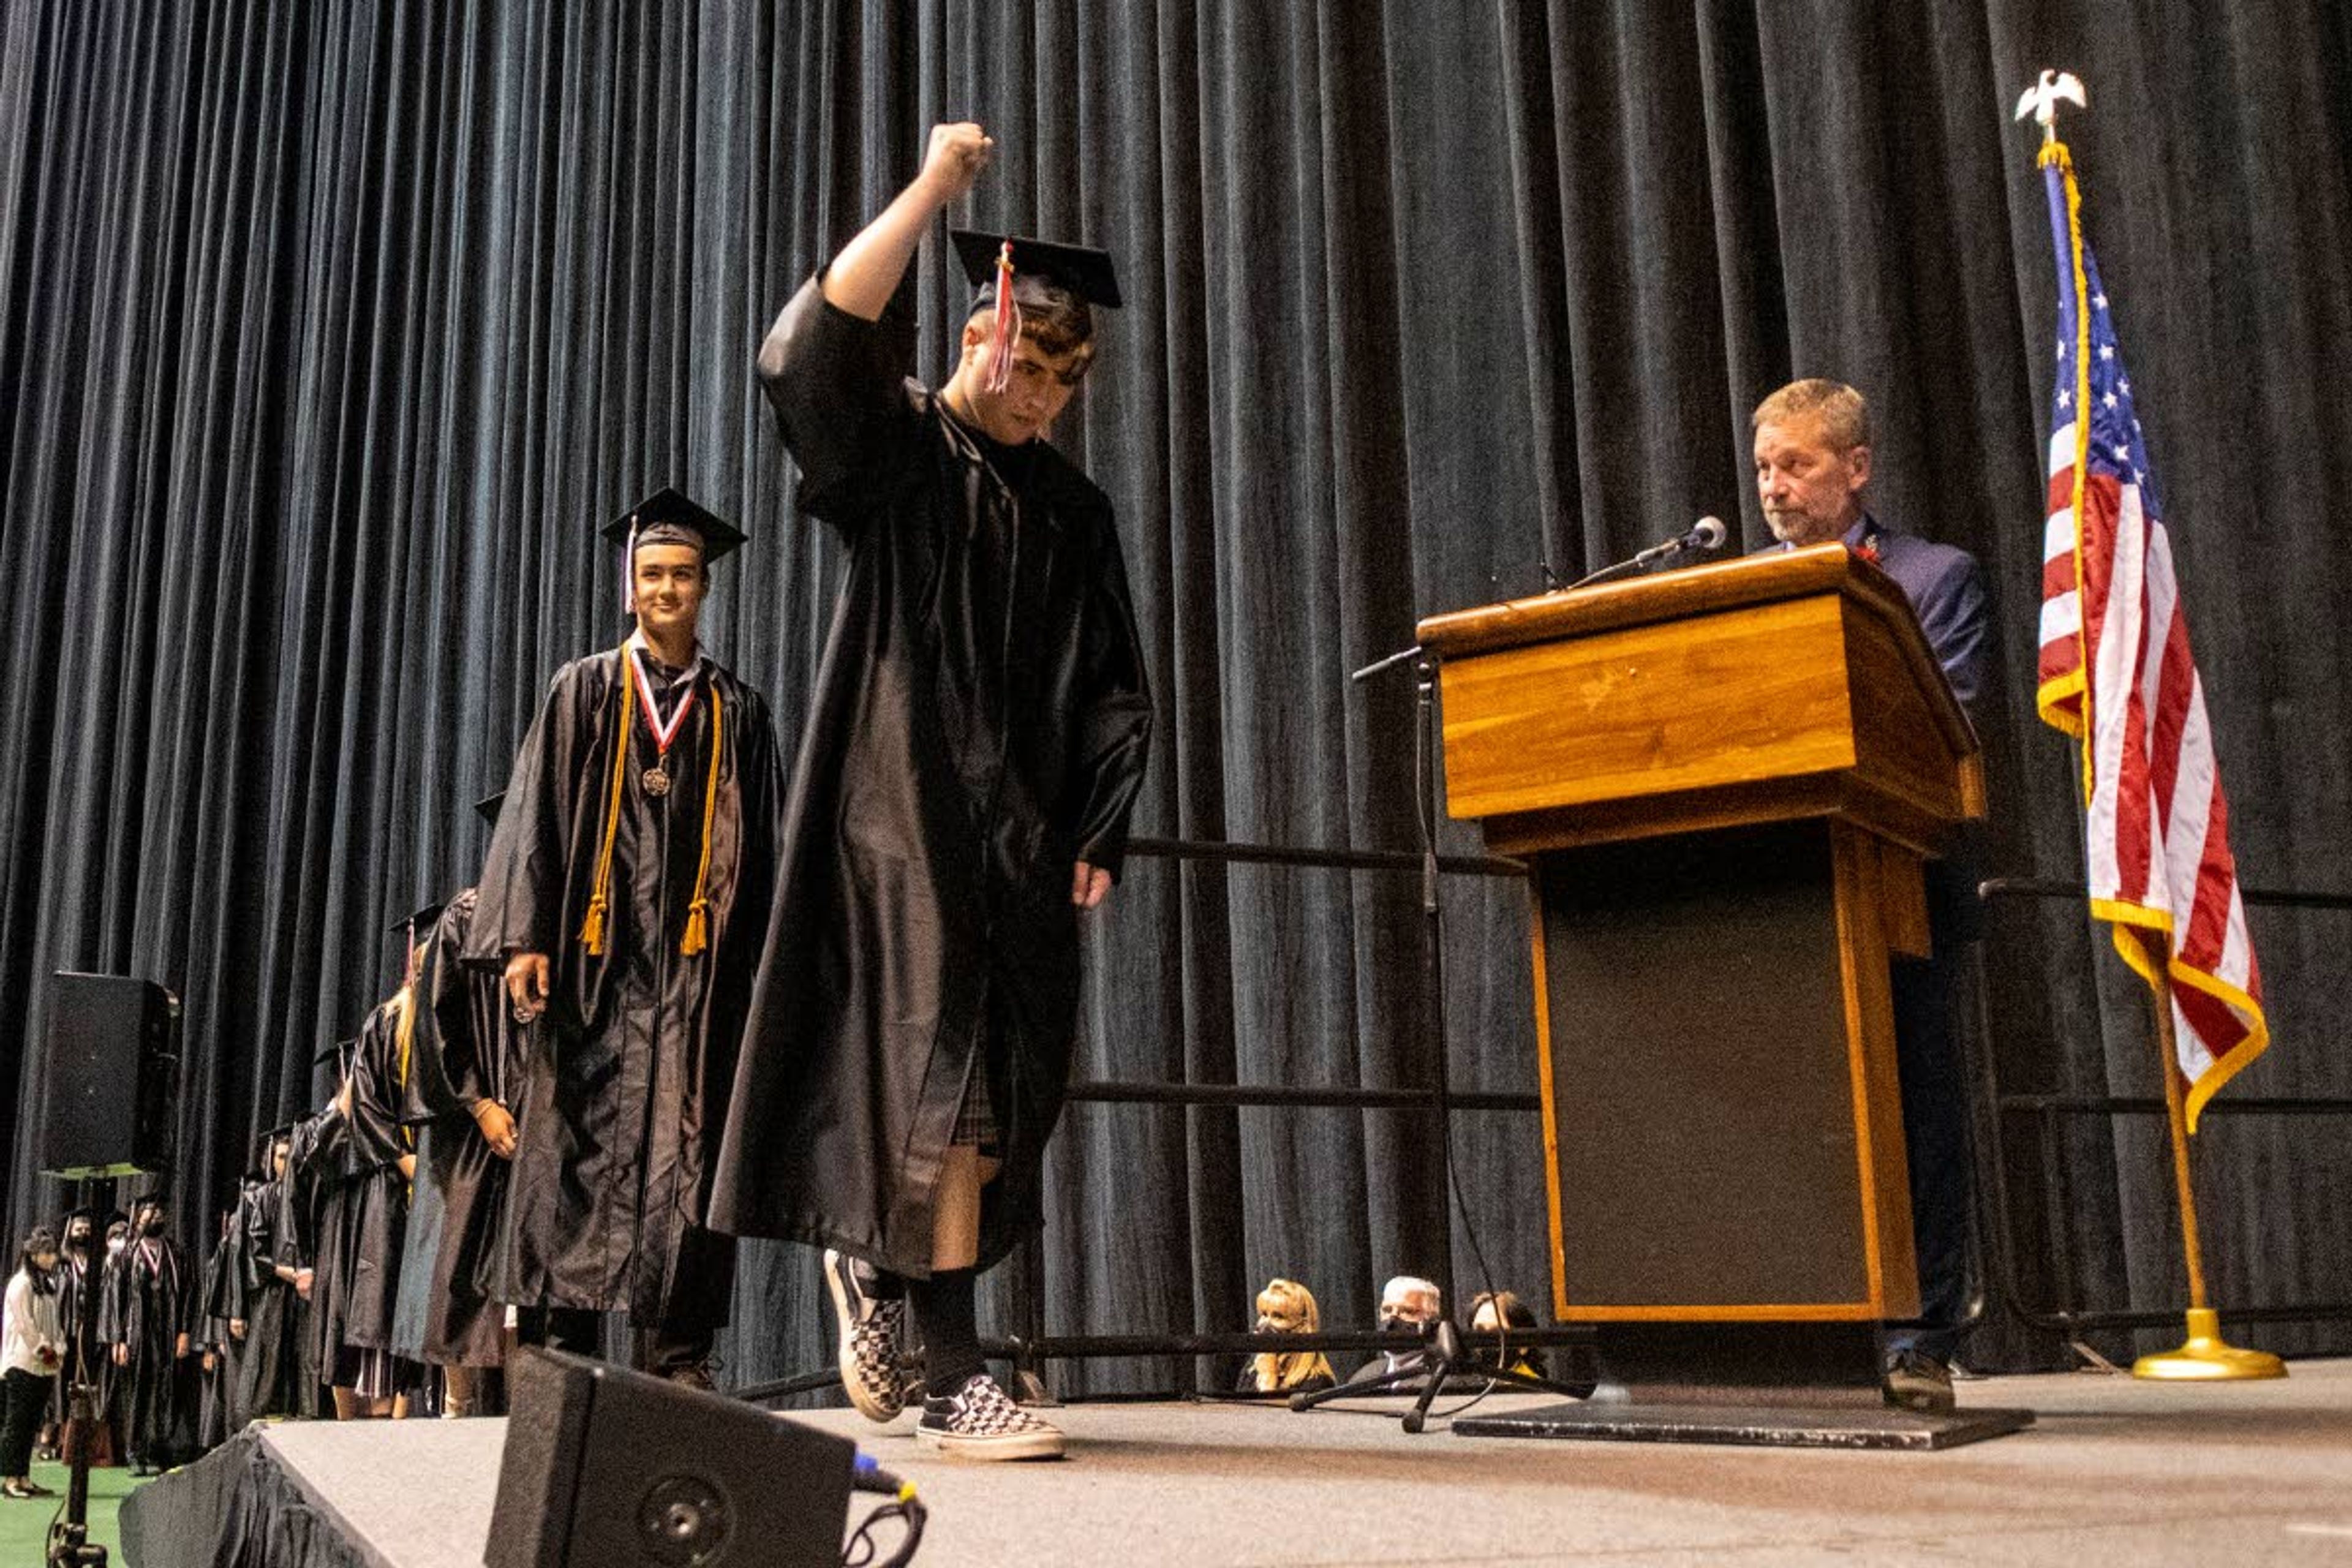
2205, 1357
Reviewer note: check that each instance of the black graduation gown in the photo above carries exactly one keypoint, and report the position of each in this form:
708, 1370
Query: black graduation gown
150, 1302
626, 1084
269, 1363
223, 1304
980, 725
78, 1275
375, 1194
459, 1054
318, 1202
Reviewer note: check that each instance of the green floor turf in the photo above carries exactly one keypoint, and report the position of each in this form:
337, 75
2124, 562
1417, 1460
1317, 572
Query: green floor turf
25, 1524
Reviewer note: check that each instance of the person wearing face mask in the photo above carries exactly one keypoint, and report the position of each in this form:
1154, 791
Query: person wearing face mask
32, 1347
144, 1322
975, 748
101, 1286
1287, 1307
76, 1279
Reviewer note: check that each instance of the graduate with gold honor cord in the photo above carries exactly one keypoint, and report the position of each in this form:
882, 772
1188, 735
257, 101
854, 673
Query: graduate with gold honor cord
624, 899
975, 749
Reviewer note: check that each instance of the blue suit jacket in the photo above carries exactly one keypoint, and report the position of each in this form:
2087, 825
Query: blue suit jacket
1946, 590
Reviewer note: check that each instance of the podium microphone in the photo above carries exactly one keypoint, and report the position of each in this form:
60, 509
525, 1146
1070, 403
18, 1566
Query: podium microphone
1707, 533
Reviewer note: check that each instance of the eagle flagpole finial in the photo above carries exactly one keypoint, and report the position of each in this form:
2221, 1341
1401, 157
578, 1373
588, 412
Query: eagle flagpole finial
2041, 101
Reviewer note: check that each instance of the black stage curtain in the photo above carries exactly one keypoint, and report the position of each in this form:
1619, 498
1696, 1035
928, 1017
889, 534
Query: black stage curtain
331, 328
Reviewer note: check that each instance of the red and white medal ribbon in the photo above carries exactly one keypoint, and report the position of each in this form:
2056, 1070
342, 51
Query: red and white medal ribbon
657, 779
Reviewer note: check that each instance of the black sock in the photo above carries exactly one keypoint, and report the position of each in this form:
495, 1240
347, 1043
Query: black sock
947, 1311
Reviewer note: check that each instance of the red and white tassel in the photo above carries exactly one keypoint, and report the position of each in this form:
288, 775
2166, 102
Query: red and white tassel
1006, 328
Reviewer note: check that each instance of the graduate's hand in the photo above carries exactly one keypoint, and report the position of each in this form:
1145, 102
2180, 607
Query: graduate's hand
527, 985
180, 1346
407, 1163
1089, 887
286, 1273
302, 1281
123, 1355
208, 1360
957, 155
237, 1328
498, 1125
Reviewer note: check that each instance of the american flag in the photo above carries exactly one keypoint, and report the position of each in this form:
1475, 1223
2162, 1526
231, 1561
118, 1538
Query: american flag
2115, 671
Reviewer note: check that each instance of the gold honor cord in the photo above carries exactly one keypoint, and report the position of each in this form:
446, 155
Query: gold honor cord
592, 929
697, 913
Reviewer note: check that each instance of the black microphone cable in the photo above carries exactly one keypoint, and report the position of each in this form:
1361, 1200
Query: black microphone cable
863, 1550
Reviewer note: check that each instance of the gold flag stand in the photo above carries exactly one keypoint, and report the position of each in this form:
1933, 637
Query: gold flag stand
2205, 1357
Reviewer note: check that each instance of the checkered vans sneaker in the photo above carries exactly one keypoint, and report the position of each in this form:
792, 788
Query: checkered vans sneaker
870, 1328
979, 1421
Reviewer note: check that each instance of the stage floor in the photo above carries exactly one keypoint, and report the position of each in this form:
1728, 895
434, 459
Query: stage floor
2115, 1472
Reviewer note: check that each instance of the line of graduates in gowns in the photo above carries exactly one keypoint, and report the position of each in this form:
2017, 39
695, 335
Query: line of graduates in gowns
487, 1170
354, 1273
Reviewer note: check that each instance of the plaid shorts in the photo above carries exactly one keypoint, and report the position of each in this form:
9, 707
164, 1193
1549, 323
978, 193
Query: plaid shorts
975, 1123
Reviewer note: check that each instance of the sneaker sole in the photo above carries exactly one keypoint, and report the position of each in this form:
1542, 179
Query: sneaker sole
845, 1355
1025, 1445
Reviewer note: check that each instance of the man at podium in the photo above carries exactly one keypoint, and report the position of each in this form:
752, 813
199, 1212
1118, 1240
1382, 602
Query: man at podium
1813, 466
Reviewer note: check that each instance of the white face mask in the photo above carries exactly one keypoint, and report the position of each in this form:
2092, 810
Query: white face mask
117, 1243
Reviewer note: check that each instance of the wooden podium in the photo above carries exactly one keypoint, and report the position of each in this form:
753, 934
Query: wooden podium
1725, 780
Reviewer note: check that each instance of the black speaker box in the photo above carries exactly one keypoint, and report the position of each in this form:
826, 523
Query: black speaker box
110, 1078
606, 1468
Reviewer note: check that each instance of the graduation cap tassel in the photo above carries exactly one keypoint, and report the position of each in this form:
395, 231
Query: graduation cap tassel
697, 913
1007, 327
592, 930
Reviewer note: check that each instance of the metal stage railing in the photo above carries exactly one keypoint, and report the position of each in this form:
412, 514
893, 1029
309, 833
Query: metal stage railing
1438, 1099
1993, 1289
2048, 1110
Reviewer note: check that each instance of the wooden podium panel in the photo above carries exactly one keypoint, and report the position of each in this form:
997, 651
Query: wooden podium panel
1715, 1150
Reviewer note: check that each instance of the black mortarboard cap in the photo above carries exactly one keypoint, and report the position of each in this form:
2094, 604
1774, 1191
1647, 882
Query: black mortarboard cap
263, 1144
488, 807
422, 921
1082, 269
668, 516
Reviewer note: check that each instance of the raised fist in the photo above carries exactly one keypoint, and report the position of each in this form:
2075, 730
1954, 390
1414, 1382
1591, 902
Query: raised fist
958, 153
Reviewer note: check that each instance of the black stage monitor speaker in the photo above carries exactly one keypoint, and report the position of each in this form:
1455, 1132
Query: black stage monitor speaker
610, 1468
111, 1076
